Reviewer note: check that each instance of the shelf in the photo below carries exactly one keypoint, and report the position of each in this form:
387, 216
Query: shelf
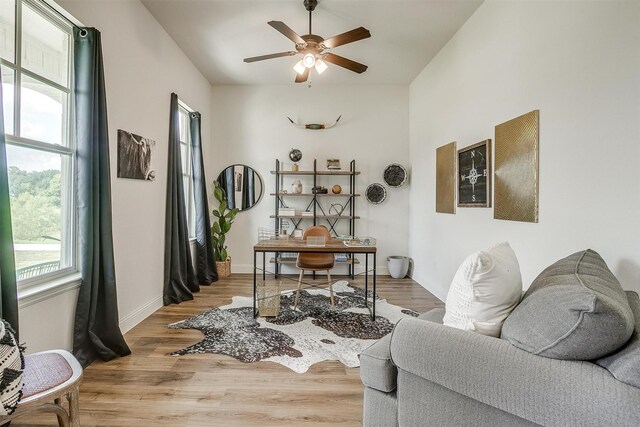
293, 261
322, 172
317, 216
312, 194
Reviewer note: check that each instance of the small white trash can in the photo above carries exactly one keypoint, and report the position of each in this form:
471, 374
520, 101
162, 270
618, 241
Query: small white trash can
398, 266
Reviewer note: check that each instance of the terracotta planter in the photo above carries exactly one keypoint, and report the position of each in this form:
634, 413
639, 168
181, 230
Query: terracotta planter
224, 268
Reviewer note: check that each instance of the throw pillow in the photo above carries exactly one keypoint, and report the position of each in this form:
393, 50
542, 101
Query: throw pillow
486, 287
625, 364
575, 309
11, 369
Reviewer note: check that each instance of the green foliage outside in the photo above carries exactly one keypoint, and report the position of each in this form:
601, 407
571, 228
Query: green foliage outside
222, 225
35, 205
35, 213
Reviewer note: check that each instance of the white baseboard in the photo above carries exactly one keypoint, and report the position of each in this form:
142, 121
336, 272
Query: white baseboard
132, 319
248, 269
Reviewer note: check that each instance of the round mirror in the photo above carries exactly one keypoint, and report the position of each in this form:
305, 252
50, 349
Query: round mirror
243, 186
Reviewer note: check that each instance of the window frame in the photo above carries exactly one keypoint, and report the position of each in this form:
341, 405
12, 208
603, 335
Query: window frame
183, 109
67, 148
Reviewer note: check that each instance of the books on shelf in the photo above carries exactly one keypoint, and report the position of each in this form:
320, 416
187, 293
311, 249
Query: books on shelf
286, 212
306, 213
341, 257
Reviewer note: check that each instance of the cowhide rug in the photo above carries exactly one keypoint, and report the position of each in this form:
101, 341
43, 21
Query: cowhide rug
296, 338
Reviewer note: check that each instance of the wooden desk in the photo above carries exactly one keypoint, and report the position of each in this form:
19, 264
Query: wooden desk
296, 246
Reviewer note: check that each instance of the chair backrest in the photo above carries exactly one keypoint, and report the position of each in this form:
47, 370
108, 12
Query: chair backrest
317, 231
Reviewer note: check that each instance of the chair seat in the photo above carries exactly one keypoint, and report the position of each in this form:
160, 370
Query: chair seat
49, 377
315, 261
44, 371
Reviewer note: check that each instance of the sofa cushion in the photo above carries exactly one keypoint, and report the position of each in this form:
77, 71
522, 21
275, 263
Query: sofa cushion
486, 287
625, 364
575, 309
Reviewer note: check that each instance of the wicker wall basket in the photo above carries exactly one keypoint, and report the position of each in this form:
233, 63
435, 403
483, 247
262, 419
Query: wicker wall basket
224, 268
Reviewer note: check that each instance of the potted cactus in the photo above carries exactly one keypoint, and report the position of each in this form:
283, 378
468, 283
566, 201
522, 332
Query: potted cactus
223, 219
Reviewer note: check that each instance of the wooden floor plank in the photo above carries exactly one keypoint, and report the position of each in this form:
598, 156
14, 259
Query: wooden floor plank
153, 388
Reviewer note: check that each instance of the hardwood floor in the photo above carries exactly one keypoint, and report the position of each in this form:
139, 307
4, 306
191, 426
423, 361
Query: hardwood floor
151, 388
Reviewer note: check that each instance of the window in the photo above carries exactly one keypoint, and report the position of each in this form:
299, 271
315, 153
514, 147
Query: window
187, 181
35, 58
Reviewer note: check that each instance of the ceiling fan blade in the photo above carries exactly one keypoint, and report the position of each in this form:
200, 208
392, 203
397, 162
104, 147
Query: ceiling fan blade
273, 55
286, 31
302, 78
345, 63
348, 37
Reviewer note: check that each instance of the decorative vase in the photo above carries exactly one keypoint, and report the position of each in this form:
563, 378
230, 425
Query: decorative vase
296, 187
224, 268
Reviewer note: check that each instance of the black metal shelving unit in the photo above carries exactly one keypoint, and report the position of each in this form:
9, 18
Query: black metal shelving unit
320, 212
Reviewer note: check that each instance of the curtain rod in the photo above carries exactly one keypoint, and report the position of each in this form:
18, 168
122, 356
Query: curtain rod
62, 13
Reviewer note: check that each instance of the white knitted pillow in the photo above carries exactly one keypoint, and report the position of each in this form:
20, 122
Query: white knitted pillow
11, 369
485, 289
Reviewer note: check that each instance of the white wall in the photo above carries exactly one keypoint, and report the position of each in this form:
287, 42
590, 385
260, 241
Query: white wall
143, 65
251, 123
579, 64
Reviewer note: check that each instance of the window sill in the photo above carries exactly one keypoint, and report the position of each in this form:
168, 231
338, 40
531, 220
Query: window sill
43, 291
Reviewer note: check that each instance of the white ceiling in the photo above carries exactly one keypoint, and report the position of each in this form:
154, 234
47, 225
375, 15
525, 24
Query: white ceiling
218, 34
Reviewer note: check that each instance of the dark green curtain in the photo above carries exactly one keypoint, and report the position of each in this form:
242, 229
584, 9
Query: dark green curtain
227, 182
8, 291
179, 277
206, 271
248, 188
96, 332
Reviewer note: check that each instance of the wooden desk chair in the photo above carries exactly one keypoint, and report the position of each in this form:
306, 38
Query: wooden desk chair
48, 377
308, 261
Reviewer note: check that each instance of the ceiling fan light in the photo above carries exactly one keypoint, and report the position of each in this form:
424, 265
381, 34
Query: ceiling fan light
321, 66
309, 60
299, 67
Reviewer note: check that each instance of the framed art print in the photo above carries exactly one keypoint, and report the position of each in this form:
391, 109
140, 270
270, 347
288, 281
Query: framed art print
474, 175
517, 168
446, 178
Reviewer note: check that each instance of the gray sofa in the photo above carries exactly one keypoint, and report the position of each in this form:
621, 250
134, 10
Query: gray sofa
427, 374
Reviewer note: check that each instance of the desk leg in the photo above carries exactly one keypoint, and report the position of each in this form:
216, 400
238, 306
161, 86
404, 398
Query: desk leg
255, 288
264, 267
366, 280
374, 287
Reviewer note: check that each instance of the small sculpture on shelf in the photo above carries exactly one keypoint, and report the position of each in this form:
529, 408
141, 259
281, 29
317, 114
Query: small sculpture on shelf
333, 164
319, 189
336, 189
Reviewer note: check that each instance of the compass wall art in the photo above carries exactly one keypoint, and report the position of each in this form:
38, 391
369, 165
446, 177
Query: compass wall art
474, 175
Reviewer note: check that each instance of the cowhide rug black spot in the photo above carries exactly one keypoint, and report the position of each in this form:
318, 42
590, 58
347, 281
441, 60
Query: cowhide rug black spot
296, 338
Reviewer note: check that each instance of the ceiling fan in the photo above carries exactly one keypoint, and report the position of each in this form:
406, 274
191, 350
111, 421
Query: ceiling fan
314, 49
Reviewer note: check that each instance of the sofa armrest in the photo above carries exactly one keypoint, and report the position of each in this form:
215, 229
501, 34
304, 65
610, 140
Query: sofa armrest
490, 370
376, 369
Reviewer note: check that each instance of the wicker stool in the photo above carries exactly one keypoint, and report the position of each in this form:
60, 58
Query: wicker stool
48, 377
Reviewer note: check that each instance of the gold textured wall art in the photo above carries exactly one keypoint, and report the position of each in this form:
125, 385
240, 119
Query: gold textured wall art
516, 169
446, 178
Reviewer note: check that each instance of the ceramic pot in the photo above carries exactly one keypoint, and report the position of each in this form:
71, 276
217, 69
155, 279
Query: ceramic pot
296, 187
398, 266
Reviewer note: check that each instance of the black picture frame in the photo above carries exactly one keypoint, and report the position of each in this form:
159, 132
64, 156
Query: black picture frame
474, 175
